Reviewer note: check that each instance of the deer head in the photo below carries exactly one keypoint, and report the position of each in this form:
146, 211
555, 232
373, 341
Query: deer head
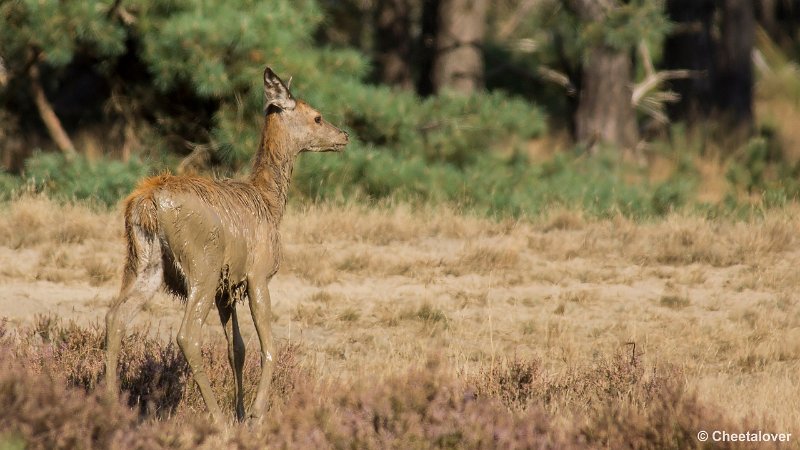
304, 125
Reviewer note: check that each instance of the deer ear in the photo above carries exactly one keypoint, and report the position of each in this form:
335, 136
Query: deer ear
276, 93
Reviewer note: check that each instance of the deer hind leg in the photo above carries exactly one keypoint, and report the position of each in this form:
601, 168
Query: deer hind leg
230, 323
261, 309
198, 305
143, 277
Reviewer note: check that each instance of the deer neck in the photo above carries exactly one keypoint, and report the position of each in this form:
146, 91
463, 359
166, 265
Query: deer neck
272, 170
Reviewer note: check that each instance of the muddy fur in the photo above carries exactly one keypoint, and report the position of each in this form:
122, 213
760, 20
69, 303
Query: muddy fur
213, 242
243, 202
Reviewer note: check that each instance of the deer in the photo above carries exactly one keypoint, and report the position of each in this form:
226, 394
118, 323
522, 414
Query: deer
216, 242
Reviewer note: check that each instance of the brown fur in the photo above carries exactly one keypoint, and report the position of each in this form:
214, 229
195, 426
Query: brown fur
141, 211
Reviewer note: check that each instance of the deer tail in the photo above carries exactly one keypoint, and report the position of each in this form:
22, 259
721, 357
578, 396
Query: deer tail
141, 227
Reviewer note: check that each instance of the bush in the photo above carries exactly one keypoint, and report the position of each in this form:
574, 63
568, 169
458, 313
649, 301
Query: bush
8, 185
104, 181
492, 184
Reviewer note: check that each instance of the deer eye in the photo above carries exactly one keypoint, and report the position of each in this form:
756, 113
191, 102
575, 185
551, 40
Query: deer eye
318, 119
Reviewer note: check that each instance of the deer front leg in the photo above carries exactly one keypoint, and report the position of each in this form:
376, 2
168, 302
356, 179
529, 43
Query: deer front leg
189, 340
230, 323
261, 309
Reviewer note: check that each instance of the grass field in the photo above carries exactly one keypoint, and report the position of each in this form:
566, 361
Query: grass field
423, 327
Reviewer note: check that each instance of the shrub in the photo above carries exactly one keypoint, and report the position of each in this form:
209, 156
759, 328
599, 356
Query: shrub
8, 185
104, 181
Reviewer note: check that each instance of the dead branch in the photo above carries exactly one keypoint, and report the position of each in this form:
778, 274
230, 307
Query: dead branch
558, 78
46, 112
654, 79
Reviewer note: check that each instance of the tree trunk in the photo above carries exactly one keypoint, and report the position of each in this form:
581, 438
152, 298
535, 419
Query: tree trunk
724, 89
691, 46
781, 20
459, 59
393, 42
733, 86
605, 114
427, 46
786, 15
49, 117
766, 13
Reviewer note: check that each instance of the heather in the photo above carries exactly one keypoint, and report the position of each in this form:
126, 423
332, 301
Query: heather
48, 390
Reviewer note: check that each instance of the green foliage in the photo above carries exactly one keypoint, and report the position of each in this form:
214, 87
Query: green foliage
103, 181
219, 48
759, 167
11, 441
493, 184
629, 23
749, 171
190, 70
8, 185
670, 196
460, 129
221, 61
58, 29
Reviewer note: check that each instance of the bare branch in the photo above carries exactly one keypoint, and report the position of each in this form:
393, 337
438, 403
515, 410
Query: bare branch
558, 78
46, 112
644, 53
652, 78
653, 81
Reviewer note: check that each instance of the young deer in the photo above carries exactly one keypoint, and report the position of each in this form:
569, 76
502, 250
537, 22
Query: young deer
212, 242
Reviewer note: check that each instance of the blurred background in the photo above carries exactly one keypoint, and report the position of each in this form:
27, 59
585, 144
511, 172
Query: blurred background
510, 107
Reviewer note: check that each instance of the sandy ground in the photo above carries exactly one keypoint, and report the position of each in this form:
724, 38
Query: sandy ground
365, 291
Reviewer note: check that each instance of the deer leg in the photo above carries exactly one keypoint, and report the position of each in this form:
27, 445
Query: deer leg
230, 323
189, 340
136, 289
261, 309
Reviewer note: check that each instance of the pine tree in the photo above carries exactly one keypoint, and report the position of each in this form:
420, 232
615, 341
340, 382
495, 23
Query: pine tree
187, 74
51, 32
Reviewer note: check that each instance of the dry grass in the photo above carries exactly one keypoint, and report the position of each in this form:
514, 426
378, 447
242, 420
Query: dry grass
712, 305
99, 270
49, 392
484, 259
36, 219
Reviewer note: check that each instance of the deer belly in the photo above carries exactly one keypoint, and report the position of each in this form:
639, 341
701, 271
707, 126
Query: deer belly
237, 260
